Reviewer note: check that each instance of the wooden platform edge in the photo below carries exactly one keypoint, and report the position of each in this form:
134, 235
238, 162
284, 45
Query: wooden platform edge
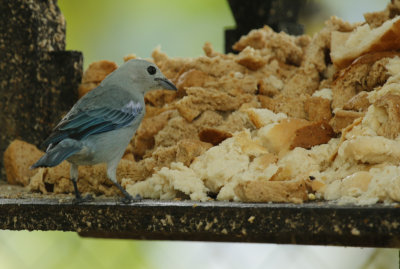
310, 223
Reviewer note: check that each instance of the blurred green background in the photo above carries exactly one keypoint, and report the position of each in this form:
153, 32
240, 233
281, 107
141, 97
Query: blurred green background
112, 29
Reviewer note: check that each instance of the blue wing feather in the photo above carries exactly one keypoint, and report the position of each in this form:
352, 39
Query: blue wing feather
98, 120
58, 154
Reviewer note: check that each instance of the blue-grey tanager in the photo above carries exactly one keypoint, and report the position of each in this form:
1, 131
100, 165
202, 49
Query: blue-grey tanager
100, 125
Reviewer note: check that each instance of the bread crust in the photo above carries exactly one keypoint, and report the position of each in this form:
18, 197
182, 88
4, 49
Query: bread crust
272, 191
384, 39
18, 157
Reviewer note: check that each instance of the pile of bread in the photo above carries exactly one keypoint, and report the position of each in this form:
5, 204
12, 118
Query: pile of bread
287, 119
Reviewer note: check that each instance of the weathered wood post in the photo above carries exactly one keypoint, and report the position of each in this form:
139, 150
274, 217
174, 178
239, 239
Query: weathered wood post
38, 78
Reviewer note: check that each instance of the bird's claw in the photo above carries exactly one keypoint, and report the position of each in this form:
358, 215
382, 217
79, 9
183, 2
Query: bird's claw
129, 198
80, 199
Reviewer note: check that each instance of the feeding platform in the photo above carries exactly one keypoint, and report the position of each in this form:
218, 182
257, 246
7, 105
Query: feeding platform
313, 223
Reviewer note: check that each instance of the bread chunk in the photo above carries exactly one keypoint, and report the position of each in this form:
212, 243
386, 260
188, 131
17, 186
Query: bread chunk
150, 126
160, 98
263, 117
376, 19
96, 72
291, 106
345, 47
200, 99
252, 59
92, 179
283, 47
213, 136
281, 137
273, 191
344, 118
358, 102
366, 73
18, 157
391, 127
318, 109
315, 133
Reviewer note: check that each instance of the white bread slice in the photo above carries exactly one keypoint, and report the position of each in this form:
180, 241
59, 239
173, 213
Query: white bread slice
345, 47
279, 138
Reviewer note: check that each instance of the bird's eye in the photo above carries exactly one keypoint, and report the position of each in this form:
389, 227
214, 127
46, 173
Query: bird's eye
151, 70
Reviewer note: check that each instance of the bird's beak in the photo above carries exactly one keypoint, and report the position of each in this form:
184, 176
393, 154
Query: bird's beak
166, 84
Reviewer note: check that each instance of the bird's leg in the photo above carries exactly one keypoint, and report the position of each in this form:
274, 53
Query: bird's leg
112, 175
74, 178
77, 194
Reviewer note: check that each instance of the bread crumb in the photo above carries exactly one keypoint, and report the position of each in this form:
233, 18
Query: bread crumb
167, 182
324, 93
251, 58
263, 117
130, 57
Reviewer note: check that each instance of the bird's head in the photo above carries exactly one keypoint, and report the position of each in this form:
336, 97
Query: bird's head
144, 75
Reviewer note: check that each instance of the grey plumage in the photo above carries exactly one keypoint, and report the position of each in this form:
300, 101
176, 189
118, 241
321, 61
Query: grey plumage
100, 125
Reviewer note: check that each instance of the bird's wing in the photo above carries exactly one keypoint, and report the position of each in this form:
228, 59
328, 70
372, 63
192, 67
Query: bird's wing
94, 121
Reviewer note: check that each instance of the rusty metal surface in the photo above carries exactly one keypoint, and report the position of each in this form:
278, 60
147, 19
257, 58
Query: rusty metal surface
311, 223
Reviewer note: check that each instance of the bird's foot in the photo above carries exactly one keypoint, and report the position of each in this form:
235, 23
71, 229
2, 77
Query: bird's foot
79, 199
129, 198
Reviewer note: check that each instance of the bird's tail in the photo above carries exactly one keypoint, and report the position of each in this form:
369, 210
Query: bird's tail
59, 153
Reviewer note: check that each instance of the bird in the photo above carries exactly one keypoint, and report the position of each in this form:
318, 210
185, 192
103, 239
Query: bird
100, 125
